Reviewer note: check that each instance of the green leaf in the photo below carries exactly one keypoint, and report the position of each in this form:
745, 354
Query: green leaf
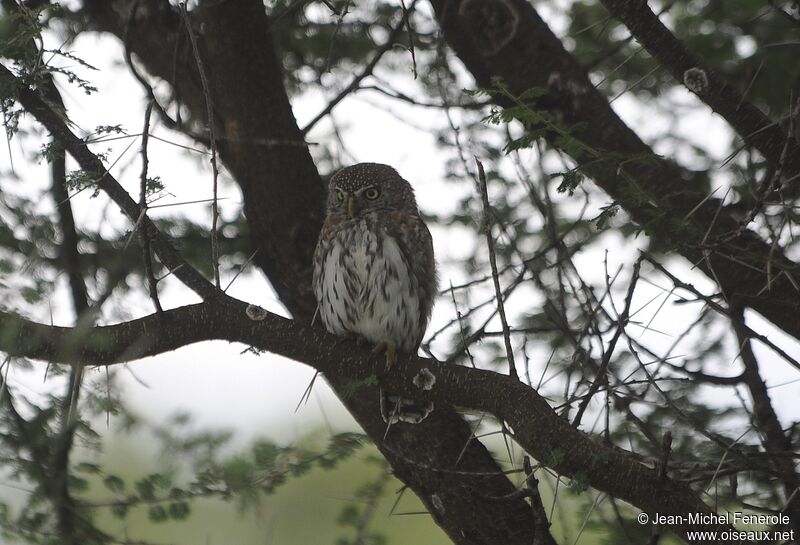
114, 483
265, 453
78, 484
238, 473
119, 510
87, 467
570, 182
348, 516
179, 510
607, 212
31, 295
579, 484
157, 513
160, 480
533, 93
145, 489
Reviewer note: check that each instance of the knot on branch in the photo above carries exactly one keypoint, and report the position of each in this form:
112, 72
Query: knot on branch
424, 380
492, 23
255, 313
695, 79
437, 503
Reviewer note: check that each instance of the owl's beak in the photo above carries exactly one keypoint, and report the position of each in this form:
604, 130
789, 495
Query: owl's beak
352, 207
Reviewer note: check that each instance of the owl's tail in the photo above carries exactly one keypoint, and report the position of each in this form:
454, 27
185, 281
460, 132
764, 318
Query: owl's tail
397, 409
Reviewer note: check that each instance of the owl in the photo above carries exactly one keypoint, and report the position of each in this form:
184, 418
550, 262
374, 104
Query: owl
374, 270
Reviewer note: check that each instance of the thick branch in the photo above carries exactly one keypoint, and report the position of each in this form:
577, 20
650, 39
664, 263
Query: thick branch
537, 428
766, 421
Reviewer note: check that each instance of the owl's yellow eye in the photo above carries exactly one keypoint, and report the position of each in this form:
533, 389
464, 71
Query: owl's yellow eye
372, 193
339, 196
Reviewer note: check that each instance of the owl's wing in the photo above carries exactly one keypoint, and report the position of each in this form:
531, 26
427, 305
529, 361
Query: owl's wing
416, 243
322, 269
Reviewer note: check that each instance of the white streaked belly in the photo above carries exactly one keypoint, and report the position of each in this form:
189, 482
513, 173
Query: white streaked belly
367, 288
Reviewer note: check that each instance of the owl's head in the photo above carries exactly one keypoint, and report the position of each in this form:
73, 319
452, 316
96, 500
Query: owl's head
363, 188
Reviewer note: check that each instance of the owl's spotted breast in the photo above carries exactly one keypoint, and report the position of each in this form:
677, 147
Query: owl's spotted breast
365, 286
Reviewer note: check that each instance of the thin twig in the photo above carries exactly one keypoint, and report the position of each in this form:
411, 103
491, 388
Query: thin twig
487, 227
764, 417
148, 89
339, 21
771, 181
407, 18
241, 270
152, 284
398, 95
464, 344
91, 163
70, 257
213, 140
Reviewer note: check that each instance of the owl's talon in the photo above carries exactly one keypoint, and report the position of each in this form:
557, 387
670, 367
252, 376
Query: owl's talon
389, 349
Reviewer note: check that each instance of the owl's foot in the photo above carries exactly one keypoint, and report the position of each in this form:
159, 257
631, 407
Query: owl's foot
388, 348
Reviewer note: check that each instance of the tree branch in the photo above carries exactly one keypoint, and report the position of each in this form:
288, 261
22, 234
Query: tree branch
766, 420
498, 293
147, 257
536, 427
